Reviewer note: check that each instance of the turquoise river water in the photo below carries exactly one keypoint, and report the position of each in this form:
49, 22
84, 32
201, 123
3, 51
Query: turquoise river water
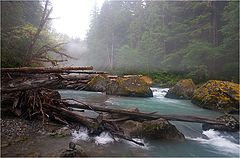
198, 143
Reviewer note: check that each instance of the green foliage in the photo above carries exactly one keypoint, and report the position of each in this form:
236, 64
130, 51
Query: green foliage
20, 21
165, 79
126, 59
199, 53
230, 29
14, 44
199, 74
196, 38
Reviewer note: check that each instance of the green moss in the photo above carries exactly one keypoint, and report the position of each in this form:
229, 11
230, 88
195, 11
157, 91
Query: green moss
218, 95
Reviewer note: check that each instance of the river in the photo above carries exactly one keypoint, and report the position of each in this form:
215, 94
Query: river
198, 143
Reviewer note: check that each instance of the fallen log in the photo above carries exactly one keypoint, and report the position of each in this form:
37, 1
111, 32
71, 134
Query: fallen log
87, 72
33, 102
147, 116
69, 115
43, 69
77, 77
45, 84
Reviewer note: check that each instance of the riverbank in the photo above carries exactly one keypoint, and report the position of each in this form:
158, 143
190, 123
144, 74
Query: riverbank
198, 142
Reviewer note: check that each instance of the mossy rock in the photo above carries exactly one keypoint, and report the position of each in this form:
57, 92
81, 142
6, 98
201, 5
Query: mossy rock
159, 129
147, 79
98, 83
133, 86
183, 89
218, 95
231, 124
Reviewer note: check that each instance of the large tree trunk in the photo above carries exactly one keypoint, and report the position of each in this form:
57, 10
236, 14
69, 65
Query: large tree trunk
147, 116
44, 69
214, 24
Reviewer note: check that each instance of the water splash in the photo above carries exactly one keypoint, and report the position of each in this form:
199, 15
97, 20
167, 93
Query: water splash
103, 138
219, 141
81, 134
159, 92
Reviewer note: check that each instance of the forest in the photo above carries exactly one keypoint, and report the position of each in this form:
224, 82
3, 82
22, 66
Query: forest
147, 78
199, 40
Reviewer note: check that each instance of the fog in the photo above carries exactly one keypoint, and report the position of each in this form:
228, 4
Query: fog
154, 36
78, 52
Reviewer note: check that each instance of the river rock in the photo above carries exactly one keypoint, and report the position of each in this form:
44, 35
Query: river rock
133, 86
74, 151
147, 79
132, 128
183, 89
156, 129
232, 124
218, 95
98, 83
62, 132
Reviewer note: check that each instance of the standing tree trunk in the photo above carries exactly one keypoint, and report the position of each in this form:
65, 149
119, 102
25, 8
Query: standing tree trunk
43, 21
214, 24
112, 52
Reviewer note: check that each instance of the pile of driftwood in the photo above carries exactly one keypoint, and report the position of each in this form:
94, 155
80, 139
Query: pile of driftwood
64, 76
35, 99
47, 104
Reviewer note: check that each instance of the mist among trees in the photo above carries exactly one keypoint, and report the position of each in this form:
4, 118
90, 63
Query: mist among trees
199, 39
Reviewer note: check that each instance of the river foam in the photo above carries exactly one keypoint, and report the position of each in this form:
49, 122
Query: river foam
103, 138
81, 134
159, 92
218, 141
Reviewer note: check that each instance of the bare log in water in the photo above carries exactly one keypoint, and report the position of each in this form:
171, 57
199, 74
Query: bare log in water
147, 116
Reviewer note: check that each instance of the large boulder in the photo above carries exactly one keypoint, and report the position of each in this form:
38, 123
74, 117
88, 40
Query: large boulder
147, 79
183, 89
98, 83
231, 124
133, 86
159, 129
218, 95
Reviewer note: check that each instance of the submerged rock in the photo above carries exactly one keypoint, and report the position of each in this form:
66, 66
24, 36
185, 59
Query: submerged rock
133, 86
218, 95
184, 89
98, 83
156, 129
232, 124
